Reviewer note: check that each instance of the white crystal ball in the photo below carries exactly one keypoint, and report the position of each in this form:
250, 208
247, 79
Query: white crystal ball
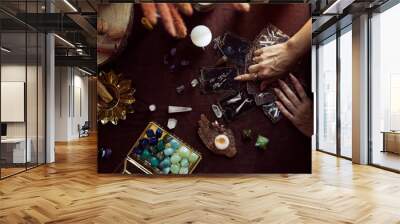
201, 36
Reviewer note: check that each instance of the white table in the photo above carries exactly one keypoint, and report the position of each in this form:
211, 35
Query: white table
17, 145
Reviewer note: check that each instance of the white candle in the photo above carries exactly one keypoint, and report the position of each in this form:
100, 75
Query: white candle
201, 36
221, 142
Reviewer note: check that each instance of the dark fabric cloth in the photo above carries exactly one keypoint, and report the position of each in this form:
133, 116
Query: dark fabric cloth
142, 61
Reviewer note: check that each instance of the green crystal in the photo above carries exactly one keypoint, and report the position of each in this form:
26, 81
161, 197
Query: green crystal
262, 142
168, 151
166, 170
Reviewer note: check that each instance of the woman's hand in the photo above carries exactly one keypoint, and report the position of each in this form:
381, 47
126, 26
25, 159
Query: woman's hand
298, 108
274, 61
171, 15
270, 63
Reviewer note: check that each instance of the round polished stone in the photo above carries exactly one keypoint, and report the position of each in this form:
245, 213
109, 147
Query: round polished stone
160, 145
168, 151
154, 162
159, 133
167, 138
137, 150
183, 170
184, 152
166, 170
165, 163
160, 155
184, 162
175, 144
144, 142
175, 158
150, 133
175, 168
193, 157
145, 154
153, 141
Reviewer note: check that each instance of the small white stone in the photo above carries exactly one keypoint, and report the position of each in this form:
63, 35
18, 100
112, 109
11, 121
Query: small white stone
152, 107
176, 109
172, 122
194, 82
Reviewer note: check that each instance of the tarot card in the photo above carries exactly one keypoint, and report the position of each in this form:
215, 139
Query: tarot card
272, 111
269, 36
235, 105
218, 79
234, 48
266, 97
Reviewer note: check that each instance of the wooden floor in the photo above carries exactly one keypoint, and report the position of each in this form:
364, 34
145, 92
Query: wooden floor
70, 191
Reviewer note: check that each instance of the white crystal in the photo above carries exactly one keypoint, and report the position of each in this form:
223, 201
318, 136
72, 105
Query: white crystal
176, 109
152, 107
172, 123
194, 82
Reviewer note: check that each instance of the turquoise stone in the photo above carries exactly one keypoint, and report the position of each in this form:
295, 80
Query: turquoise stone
165, 163
168, 151
145, 154
175, 168
160, 146
185, 163
184, 152
193, 157
166, 170
175, 144
175, 158
262, 142
154, 162
183, 170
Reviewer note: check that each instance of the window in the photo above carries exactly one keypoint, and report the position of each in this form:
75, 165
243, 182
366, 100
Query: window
385, 89
346, 92
327, 96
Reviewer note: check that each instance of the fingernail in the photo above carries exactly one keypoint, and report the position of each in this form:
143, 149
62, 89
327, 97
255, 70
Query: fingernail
238, 78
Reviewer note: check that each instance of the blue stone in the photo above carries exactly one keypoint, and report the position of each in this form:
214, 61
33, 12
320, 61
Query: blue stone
184, 163
137, 150
159, 133
168, 151
144, 142
175, 144
150, 133
153, 141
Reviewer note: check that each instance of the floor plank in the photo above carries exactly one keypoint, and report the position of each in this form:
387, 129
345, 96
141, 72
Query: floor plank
70, 191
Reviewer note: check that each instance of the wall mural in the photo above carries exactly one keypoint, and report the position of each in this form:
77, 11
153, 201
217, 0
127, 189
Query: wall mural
204, 88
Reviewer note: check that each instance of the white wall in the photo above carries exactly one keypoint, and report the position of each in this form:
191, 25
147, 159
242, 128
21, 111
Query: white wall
71, 102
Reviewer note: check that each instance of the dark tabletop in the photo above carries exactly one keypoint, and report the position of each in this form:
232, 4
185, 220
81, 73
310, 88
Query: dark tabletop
142, 61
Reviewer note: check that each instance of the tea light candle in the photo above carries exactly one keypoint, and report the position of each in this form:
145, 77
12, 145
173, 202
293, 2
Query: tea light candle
201, 36
221, 142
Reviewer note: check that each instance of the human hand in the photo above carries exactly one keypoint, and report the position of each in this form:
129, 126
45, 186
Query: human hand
171, 17
297, 108
270, 64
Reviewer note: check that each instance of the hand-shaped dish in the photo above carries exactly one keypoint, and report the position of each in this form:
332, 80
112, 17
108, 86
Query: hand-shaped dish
215, 136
